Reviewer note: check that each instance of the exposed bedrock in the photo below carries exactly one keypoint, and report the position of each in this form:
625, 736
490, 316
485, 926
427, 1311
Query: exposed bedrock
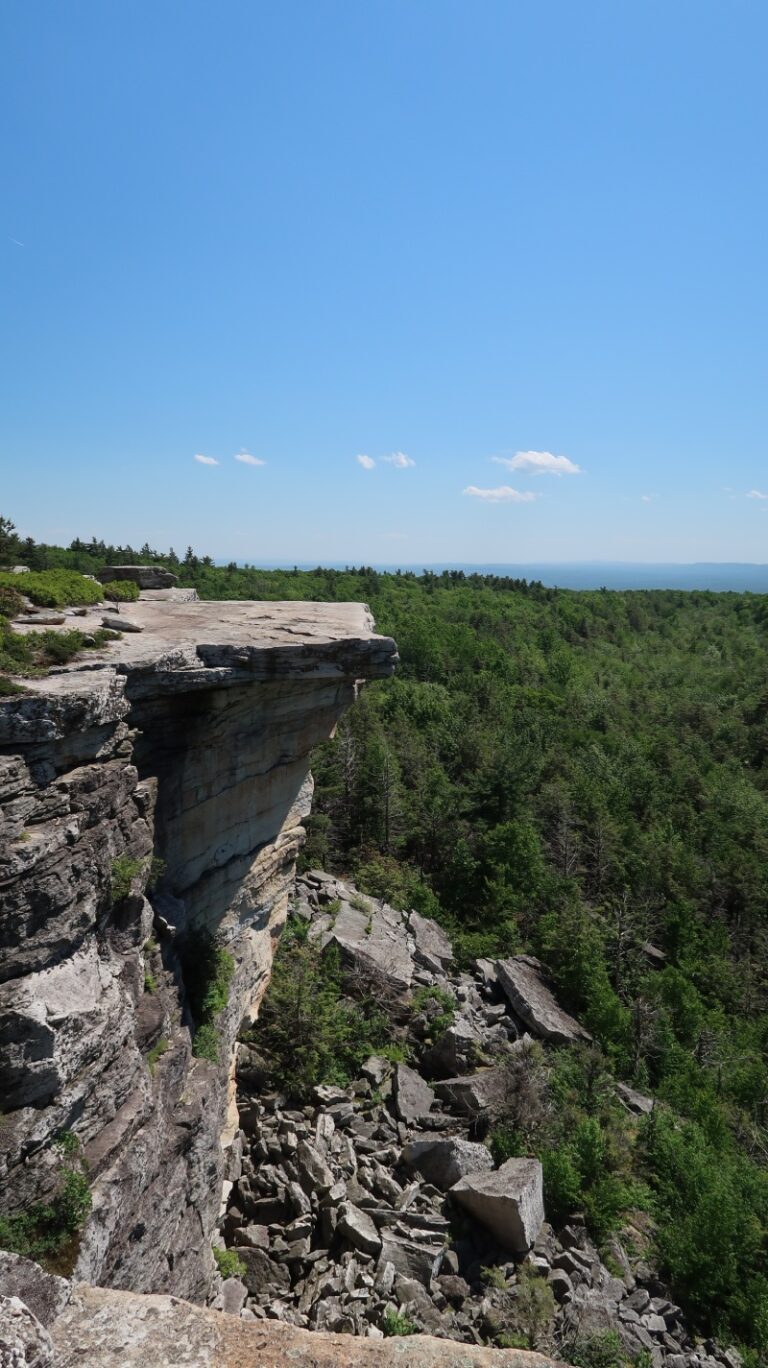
153, 795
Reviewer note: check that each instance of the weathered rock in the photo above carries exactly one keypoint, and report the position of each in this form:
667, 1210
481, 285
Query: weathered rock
357, 1227
410, 1257
509, 1202
413, 1097
314, 1173
225, 704
633, 1100
24, 1342
475, 1093
116, 623
372, 937
432, 948
444, 1161
146, 576
534, 1002
455, 1050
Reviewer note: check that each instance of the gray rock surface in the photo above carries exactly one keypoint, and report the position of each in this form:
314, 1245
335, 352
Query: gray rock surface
509, 1202
187, 743
413, 1097
534, 1002
146, 576
444, 1161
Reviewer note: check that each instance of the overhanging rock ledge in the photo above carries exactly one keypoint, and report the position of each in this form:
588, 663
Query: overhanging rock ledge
151, 797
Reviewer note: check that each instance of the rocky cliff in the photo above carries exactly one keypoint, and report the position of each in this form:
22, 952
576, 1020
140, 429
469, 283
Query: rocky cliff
151, 802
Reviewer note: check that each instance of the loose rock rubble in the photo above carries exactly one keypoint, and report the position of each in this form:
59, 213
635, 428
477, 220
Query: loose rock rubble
378, 1199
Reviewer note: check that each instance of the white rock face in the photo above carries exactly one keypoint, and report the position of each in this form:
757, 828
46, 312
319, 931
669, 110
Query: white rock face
509, 1202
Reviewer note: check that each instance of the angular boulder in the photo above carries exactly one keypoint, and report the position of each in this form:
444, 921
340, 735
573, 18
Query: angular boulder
358, 1228
431, 947
443, 1162
532, 999
474, 1093
146, 576
413, 1097
508, 1202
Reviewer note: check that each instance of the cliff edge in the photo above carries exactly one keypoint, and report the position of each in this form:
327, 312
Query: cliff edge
151, 801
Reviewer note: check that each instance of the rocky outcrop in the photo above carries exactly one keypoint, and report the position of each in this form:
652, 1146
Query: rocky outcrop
104, 1328
509, 1202
146, 576
151, 801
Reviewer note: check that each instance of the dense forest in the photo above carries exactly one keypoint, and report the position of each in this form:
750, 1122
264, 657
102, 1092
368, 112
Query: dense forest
583, 775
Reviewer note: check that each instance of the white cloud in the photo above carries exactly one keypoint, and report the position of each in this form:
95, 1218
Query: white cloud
538, 463
756, 494
206, 460
367, 462
647, 498
399, 459
504, 494
246, 458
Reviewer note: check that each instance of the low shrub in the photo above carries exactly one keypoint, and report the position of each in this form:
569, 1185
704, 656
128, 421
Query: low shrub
11, 602
124, 871
56, 588
121, 591
395, 1323
47, 1231
229, 1263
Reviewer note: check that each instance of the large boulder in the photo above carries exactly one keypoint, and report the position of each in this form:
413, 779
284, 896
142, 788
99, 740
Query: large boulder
444, 1161
358, 1228
413, 1097
474, 1093
372, 938
534, 1002
508, 1202
146, 576
432, 948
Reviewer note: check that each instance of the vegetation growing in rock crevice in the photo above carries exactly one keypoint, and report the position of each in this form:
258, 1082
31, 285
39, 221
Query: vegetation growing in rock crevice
208, 973
48, 1231
310, 1029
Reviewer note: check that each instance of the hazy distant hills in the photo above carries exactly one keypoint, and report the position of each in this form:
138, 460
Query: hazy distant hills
719, 575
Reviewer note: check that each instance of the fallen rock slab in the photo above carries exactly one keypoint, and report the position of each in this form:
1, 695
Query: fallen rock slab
413, 1097
508, 1202
522, 980
444, 1162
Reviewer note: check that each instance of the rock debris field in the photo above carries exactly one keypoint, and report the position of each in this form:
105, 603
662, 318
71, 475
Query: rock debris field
377, 1209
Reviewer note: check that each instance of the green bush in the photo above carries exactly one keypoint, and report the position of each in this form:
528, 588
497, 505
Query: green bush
56, 588
11, 602
206, 1043
395, 1323
124, 871
121, 591
601, 1350
310, 1029
46, 1231
32, 653
229, 1263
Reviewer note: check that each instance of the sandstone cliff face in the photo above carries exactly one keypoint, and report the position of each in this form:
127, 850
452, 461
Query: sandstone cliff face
189, 744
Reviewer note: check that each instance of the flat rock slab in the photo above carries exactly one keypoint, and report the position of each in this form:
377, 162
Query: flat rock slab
532, 999
372, 937
103, 1328
508, 1202
443, 1162
413, 1097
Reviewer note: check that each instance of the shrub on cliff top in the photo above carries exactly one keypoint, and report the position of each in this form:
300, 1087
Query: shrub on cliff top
121, 591
55, 588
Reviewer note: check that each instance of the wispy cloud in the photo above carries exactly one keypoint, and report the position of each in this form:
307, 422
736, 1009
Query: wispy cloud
367, 462
538, 463
245, 458
504, 494
16, 242
206, 460
399, 459
647, 498
756, 494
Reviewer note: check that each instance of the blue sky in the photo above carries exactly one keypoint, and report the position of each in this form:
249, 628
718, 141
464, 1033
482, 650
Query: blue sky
311, 231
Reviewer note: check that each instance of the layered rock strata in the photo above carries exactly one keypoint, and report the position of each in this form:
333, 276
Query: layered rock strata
151, 800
